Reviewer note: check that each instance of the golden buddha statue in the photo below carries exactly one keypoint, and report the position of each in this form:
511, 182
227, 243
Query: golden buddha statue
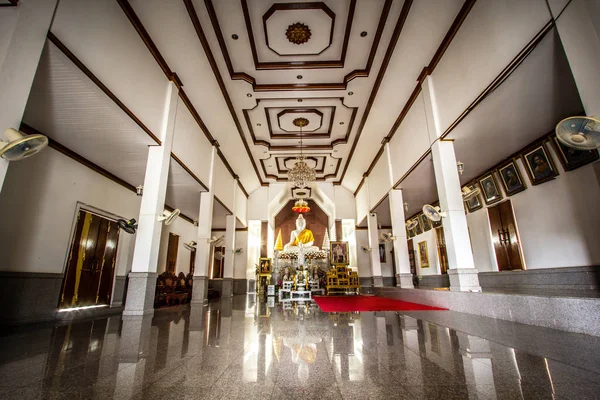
301, 237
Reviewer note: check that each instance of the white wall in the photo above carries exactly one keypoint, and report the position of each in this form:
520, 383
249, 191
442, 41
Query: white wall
481, 241
434, 264
8, 21
241, 206
364, 263
37, 209
186, 232
362, 203
387, 268
223, 184
241, 260
379, 181
491, 36
345, 205
258, 203
557, 220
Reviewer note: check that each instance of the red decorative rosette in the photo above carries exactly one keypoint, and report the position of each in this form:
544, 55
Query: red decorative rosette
301, 207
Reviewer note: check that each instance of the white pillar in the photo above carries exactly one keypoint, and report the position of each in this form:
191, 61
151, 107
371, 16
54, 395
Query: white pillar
404, 277
578, 27
230, 221
28, 25
142, 279
462, 273
374, 253
203, 247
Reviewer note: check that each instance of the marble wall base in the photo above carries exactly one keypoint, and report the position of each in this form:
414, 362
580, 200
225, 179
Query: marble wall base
434, 281
140, 293
240, 286
405, 281
389, 281
573, 314
568, 278
464, 280
365, 281
28, 297
200, 290
226, 287
119, 293
377, 281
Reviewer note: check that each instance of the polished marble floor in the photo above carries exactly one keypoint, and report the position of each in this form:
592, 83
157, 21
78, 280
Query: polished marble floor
239, 348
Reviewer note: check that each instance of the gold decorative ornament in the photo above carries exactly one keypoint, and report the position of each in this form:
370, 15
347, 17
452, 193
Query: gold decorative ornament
298, 33
300, 122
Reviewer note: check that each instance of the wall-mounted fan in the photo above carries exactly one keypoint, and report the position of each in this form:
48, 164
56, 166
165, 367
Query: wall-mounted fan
168, 217
412, 224
433, 213
128, 226
365, 249
470, 192
20, 146
219, 255
238, 251
387, 237
581, 133
215, 241
191, 246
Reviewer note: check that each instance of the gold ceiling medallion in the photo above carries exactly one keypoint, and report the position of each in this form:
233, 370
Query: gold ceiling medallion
300, 122
298, 33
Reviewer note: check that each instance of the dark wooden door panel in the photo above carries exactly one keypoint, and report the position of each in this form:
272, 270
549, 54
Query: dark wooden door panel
172, 253
504, 236
108, 264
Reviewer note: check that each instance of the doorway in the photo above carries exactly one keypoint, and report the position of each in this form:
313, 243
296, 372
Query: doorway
218, 257
172, 252
505, 237
91, 264
440, 240
411, 260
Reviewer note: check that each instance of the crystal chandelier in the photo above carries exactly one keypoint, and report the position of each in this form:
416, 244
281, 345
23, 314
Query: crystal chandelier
301, 174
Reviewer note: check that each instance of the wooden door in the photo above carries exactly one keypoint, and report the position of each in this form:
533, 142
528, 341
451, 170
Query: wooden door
217, 268
505, 237
441, 248
172, 253
90, 268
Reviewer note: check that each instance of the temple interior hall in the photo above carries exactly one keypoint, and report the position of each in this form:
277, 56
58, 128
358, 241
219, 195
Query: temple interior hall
337, 199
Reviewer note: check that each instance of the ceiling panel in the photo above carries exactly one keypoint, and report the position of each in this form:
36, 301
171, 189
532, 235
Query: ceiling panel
183, 191
67, 106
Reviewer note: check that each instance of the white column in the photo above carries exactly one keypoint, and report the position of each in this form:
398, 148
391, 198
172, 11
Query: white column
230, 221
374, 253
578, 27
203, 247
27, 25
462, 273
404, 277
142, 279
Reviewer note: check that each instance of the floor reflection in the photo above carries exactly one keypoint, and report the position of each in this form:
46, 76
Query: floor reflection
241, 347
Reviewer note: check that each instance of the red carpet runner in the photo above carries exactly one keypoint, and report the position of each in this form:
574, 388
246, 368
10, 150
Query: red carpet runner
367, 303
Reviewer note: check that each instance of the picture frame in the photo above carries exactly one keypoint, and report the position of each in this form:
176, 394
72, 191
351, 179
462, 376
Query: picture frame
511, 178
419, 228
266, 265
489, 189
382, 253
571, 158
539, 165
423, 254
425, 222
339, 253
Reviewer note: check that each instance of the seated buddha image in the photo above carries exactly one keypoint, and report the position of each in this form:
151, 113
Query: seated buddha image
301, 237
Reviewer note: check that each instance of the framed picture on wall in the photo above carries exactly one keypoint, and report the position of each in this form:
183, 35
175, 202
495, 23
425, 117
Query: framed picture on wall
266, 265
382, 252
571, 158
339, 253
419, 228
436, 224
489, 189
423, 255
539, 165
511, 178
425, 222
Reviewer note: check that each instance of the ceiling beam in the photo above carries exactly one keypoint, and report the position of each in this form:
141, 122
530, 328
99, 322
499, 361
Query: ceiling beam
428, 70
172, 76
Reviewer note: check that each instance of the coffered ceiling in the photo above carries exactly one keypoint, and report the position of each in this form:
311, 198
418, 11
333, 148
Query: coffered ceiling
270, 62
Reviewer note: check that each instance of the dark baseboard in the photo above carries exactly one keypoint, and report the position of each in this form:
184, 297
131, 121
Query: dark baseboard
434, 281
566, 278
240, 286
